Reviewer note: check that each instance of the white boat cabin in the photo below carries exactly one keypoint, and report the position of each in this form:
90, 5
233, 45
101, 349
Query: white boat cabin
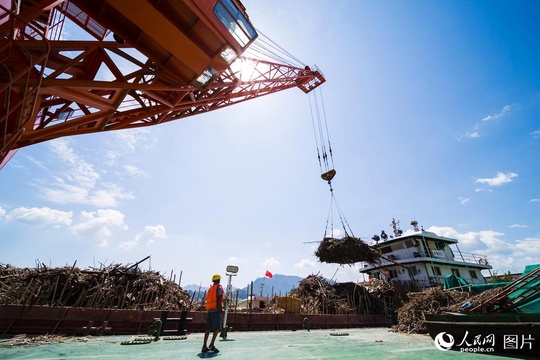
423, 259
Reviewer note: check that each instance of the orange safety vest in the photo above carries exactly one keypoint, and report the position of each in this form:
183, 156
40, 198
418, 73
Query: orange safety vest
212, 298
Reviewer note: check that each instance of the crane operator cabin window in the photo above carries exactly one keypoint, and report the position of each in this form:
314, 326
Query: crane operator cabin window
235, 22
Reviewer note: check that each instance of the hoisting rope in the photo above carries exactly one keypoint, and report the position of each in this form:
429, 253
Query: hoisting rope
320, 131
326, 161
265, 48
346, 228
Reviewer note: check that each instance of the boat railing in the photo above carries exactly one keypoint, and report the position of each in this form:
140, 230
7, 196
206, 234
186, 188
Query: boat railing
472, 258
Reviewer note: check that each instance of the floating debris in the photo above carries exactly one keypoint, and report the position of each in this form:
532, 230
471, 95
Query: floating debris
23, 340
347, 250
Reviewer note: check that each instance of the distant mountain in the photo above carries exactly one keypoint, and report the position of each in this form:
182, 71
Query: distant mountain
195, 288
276, 285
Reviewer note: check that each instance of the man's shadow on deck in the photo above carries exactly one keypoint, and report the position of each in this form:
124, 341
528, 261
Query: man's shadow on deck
207, 355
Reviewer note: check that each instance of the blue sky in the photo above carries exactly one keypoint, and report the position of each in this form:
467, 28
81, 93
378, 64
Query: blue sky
433, 113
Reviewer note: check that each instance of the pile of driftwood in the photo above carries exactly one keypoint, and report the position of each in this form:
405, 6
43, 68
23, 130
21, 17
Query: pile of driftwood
476, 300
435, 301
110, 287
375, 297
318, 296
347, 250
432, 301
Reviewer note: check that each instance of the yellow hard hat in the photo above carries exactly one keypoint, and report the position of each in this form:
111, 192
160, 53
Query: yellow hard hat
216, 277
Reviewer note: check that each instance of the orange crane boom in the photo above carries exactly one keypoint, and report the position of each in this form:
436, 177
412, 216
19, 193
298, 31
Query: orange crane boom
142, 63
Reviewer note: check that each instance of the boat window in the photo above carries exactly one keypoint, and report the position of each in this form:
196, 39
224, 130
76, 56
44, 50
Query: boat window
436, 270
439, 245
235, 22
456, 272
412, 271
473, 274
409, 243
386, 249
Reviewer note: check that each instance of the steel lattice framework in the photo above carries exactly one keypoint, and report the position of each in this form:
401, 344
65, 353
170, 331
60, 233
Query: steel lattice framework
54, 88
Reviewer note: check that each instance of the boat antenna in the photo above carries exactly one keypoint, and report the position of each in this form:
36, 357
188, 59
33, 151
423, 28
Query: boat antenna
414, 224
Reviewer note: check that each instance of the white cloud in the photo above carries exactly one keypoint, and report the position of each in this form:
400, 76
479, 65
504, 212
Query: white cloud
134, 170
271, 262
502, 255
111, 157
305, 263
149, 235
80, 171
132, 139
523, 252
2, 211
475, 133
35, 162
99, 225
463, 200
79, 183
536, 134
498, 115
514, 226
335, 233
529, 247
486, 238
40, 216
534, 200
498, 180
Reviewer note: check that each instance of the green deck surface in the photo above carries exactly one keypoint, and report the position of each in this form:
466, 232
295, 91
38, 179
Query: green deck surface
366, 343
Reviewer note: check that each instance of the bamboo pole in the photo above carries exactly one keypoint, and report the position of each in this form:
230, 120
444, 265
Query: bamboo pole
55, 287
141, 293
66, 283
19, 301
123, 298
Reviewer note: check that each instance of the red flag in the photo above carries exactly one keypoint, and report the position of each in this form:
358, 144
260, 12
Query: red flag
268, 274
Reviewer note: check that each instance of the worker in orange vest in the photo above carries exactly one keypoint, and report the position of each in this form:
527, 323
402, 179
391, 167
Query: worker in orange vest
214, 300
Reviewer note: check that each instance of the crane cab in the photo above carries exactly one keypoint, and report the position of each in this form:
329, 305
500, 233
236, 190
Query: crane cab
190, 41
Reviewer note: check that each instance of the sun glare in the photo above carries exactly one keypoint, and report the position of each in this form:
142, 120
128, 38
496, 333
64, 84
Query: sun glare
245, 69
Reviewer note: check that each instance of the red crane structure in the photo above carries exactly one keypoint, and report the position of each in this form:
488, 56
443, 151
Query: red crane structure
135, 63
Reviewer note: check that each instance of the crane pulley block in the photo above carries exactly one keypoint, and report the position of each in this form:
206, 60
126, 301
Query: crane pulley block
329, 175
